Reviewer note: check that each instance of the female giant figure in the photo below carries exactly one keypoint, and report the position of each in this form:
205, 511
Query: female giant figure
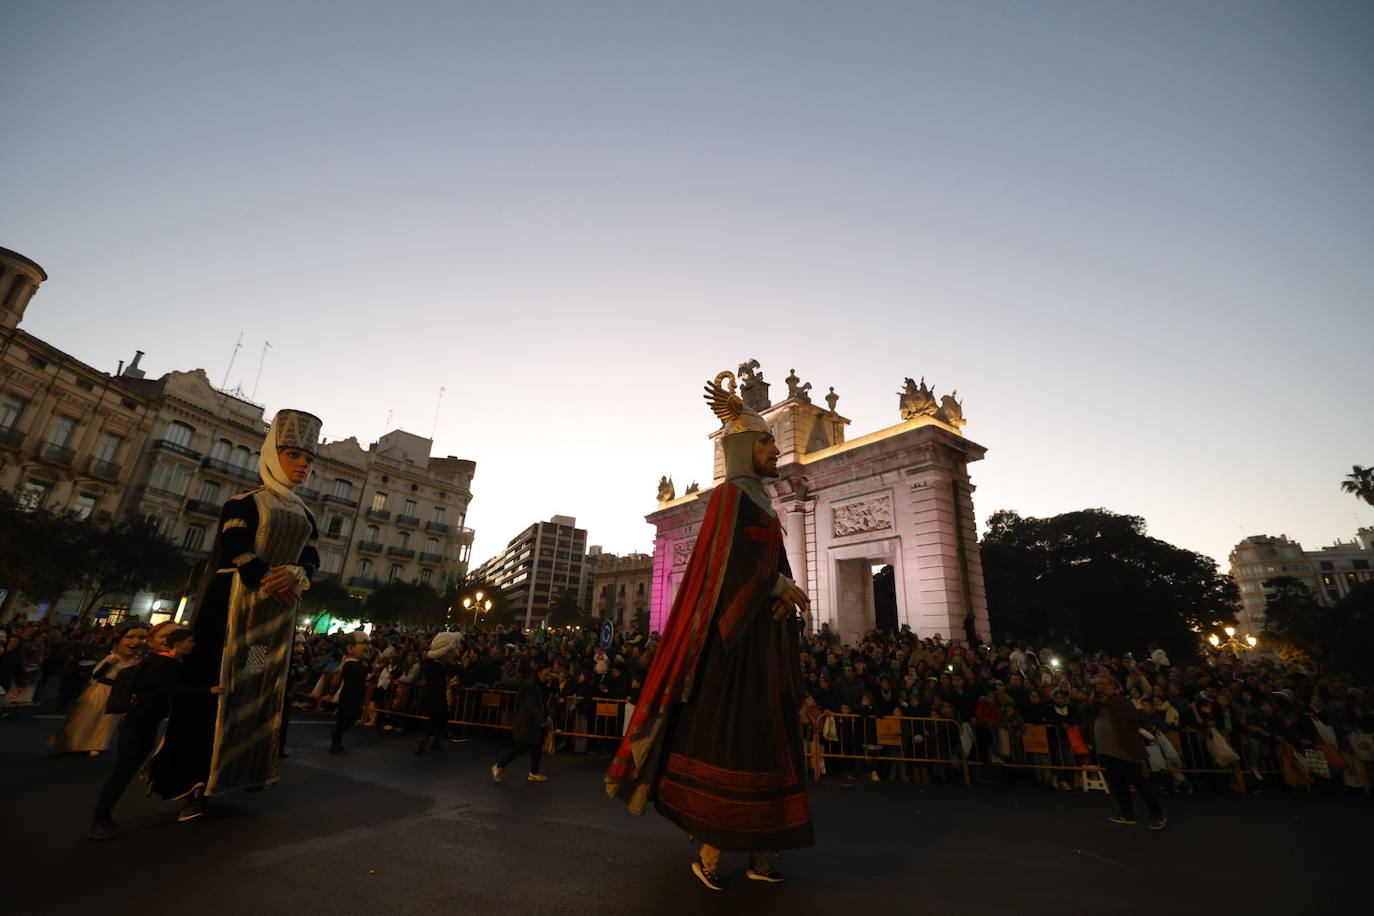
244, 624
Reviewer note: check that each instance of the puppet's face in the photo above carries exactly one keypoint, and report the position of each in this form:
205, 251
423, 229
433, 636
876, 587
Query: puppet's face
297, 463
766, 455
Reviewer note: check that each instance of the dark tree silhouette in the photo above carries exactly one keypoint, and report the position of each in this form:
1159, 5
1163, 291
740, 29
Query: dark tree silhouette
1095, 579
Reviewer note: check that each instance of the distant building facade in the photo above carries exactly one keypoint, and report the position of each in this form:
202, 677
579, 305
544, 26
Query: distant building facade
621, 588
412, 526
1330, 573
538, 565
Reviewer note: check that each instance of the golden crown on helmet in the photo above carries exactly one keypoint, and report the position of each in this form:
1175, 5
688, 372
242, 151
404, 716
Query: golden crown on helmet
736, 416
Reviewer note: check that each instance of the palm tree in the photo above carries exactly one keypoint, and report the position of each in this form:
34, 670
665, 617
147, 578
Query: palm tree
1360, 481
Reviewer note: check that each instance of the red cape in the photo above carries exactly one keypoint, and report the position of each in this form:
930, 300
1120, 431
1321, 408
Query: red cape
671, 675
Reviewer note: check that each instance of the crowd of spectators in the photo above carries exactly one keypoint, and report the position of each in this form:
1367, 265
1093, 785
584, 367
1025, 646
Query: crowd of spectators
887, 706
1233, 716
583, 674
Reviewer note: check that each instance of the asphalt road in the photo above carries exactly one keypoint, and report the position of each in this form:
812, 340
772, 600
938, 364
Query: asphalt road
379, 830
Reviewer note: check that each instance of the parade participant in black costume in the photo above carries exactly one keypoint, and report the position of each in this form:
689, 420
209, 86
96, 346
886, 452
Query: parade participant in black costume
155, 686
352, 680
245, 616
434, 674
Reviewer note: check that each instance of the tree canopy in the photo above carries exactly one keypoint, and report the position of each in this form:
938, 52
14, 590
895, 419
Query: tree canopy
1334, 638
1095, 579
407, 603
127, 557
328, 596
44, 554
565, 612
1360, 481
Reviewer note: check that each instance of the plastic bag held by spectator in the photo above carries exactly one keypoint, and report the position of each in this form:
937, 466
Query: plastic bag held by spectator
1220, 749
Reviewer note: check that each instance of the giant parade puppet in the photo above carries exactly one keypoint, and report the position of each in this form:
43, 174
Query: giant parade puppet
714, 743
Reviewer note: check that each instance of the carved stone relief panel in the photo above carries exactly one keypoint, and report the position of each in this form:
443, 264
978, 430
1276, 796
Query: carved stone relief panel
682, 552
873, 514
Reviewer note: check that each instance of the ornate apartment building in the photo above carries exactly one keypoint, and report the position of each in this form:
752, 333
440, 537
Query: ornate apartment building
411, 525
174, 448
69, 433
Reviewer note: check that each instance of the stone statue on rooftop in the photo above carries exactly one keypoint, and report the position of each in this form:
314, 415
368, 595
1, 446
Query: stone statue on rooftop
666, 491
832, 399
753, 389
951, 411
795, 389
917, 402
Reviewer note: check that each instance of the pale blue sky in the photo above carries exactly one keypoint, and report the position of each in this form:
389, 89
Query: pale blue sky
1137, 237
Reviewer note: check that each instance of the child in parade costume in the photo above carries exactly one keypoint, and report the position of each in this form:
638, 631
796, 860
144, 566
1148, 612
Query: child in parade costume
244, 621
715, 738
88, 727
156, 685
352, 683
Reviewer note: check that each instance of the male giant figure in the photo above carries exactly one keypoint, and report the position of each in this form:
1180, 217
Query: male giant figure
715, 741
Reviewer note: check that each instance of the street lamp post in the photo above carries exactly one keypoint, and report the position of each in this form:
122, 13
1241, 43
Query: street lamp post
478, 604
1231, 644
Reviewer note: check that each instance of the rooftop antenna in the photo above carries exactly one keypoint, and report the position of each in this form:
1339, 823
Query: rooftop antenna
436, 413
232, 356
388, 420
266, 345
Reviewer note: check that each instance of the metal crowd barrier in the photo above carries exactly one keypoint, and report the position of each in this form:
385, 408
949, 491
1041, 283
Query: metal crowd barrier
898, 744
482, 707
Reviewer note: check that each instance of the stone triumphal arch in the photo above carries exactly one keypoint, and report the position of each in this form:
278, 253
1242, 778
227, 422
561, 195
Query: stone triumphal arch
898, 497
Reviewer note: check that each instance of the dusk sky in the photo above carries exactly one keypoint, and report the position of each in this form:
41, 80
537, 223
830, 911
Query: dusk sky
1138, 238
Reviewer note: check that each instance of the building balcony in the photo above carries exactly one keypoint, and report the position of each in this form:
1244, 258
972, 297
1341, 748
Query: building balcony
305, 493
405, 553
333, 535
362, 582
53, 453
202, 507
381, 515
105, 470
11, 437
195, 556
409, 520
433, 559
340, 501
369, 546
436, 526
465, 535
176, 448
163, 494
230, 470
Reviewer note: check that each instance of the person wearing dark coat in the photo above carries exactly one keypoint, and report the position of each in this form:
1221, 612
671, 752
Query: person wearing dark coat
352, 681
531, 713
1111, 722
434, 672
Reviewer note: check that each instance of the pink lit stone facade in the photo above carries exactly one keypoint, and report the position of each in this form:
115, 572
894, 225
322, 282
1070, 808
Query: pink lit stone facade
900, 496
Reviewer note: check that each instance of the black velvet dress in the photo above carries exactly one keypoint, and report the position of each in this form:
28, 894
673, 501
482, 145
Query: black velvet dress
243, 642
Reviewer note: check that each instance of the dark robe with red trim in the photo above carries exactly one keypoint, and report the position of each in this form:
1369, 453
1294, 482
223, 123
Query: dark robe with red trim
715, 740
